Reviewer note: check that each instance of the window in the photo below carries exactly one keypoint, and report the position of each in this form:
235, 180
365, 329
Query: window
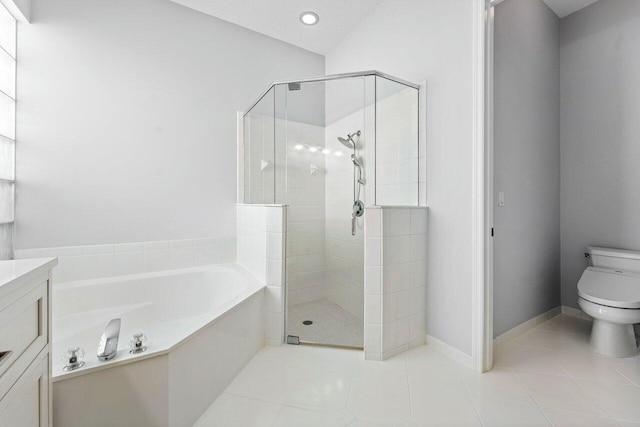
8, 31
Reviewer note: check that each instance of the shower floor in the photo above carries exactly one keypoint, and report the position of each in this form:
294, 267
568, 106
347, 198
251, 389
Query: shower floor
332, 324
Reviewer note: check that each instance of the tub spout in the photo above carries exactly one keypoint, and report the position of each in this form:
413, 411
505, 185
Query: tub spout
108, 346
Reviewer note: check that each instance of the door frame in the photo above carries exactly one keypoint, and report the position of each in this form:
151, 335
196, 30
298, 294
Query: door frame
483, 170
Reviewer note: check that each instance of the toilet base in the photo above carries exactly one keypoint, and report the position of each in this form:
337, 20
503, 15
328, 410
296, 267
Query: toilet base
613, 339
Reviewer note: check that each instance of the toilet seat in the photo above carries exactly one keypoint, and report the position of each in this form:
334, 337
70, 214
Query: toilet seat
610, 288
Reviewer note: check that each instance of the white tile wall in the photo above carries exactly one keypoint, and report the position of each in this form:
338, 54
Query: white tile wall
300, 184
397, 147
395, 280
88, 262
344, 252
261, 248
399, 178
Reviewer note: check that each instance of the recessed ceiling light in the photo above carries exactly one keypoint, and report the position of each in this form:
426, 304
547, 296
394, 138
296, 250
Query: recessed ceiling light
309, 18
326, 151
299, 147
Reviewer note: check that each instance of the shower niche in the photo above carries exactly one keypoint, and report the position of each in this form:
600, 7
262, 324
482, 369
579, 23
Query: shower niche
330, 148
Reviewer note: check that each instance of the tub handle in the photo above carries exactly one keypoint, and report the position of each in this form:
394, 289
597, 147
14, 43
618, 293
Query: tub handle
137, 343
73, 359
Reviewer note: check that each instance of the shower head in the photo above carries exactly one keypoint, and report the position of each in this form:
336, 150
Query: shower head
347, 142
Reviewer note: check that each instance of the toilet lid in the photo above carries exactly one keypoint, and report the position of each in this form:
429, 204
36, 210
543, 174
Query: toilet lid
610, 288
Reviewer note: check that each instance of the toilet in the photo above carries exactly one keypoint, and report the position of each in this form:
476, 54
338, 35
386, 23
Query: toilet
609, 291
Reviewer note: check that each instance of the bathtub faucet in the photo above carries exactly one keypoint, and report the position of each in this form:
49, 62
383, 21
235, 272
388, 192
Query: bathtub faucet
108, 346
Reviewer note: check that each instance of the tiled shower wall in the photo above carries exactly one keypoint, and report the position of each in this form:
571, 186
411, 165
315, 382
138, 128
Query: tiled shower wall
395, 280
396, 148
395, 175
345, 253
300, 183
261, 248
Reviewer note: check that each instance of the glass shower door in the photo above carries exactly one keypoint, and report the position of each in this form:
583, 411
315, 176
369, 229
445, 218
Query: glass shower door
322, 180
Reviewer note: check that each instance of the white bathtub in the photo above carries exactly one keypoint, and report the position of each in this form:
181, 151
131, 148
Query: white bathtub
203, 322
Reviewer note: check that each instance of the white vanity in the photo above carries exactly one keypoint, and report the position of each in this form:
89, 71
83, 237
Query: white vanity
25, 330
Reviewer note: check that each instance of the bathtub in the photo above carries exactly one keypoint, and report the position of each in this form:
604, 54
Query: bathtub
203, 325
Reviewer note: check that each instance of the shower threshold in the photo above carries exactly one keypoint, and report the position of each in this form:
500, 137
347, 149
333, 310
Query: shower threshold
291, 338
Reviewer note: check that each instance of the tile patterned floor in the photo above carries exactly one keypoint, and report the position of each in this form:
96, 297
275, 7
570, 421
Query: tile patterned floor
546, 377
331, 324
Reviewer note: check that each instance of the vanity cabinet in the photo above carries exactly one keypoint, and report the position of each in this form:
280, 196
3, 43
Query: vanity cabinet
25, 331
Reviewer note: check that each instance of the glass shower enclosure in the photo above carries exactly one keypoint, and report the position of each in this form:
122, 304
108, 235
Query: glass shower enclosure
328, 147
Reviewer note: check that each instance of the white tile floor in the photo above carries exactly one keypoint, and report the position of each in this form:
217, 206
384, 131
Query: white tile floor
331, 324
545, 377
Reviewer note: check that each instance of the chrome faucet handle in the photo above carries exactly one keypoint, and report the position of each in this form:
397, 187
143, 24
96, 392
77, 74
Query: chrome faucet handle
108, 346
73, 359
137, 343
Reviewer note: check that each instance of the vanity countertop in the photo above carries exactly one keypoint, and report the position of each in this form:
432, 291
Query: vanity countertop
14, 273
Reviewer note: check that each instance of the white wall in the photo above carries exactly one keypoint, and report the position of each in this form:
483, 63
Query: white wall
127, 120
432, 40
600, 137
526, 162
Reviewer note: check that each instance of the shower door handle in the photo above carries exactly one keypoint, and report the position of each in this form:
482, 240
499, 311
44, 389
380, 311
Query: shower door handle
353, 224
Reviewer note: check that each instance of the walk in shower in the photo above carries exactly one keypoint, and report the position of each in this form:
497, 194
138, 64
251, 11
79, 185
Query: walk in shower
327, 147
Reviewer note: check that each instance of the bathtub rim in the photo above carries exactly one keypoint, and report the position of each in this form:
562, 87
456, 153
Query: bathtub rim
123, 356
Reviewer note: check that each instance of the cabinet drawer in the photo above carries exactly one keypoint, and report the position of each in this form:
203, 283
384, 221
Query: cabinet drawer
27, 402
23, 333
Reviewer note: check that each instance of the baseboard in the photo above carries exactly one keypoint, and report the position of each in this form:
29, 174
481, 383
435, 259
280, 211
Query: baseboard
398, 350
526, 326
575, 312
457, 355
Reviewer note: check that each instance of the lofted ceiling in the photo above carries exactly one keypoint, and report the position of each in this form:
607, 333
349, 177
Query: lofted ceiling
280, 18
563, 8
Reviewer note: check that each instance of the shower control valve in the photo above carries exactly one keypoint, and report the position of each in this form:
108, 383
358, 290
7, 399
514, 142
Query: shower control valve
358, 209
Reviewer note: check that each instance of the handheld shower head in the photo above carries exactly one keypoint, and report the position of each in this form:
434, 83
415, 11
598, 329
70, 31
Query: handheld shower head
355, 160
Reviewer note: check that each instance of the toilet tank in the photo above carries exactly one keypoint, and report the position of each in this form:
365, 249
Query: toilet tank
616, 259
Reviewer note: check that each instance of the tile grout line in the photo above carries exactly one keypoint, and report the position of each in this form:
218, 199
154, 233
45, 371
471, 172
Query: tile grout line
593, 398
569, 376
544, 414
515, 374
633, 382
575, 381
406, 369
353, 375
466, 386
277, 415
